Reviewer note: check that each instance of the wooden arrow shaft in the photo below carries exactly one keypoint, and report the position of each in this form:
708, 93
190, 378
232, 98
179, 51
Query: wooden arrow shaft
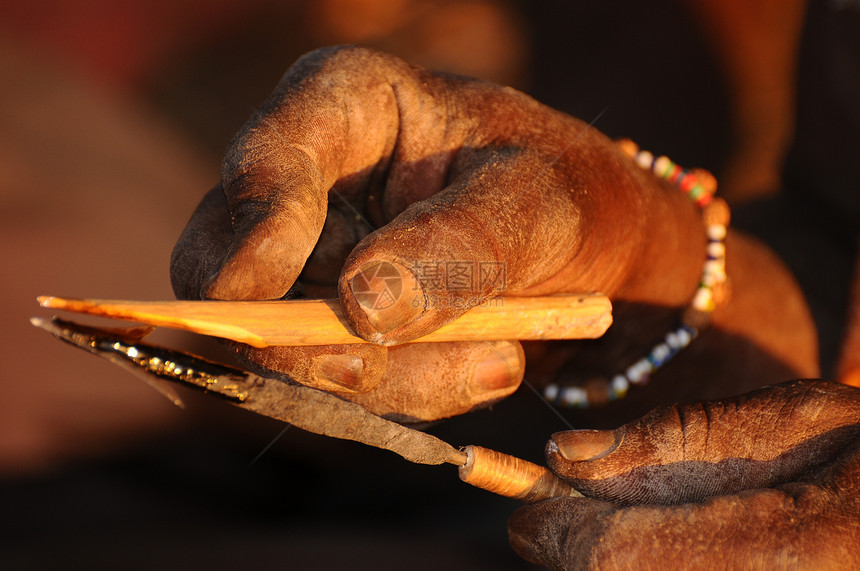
321, 322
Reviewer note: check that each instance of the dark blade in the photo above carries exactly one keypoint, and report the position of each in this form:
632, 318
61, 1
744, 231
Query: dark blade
304, 407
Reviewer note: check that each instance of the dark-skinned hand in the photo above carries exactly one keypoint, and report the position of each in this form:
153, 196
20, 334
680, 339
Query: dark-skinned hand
361, 171
766, 480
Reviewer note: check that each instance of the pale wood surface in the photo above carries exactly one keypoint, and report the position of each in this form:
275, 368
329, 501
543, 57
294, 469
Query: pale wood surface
321, 322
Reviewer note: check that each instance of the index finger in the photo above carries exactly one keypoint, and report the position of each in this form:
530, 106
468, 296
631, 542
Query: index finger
332, 118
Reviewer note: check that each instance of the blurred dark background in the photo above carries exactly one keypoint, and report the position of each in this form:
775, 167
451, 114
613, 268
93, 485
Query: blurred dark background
114, 116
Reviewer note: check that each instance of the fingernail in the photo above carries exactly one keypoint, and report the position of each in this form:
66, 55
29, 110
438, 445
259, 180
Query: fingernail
339, 372
580, 445
389, 294
500, 369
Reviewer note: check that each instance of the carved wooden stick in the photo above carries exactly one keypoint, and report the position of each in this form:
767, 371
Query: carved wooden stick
321, 322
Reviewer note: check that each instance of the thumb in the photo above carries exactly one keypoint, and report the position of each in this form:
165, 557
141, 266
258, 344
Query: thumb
689, 452
484, 234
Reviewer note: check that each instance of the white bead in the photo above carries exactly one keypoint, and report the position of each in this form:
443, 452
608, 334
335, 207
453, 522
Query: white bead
661, 165
713, 274
639, 371
717, 249
660, 352
684, 338
703, 299
715, 267
634, 375
644, 159
574, 396
672, 340
716, 232
551, 392
620, 384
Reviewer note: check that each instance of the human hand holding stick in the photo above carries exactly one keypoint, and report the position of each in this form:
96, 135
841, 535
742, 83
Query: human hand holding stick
462, 191
359, 161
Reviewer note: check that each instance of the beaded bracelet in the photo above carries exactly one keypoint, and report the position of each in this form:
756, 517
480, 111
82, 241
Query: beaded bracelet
713, 289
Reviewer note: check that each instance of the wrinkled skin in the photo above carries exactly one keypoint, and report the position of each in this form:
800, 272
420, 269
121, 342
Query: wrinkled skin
358, 158
766, 480
451, 169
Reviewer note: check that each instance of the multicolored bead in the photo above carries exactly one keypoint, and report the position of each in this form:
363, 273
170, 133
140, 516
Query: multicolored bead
713, 290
